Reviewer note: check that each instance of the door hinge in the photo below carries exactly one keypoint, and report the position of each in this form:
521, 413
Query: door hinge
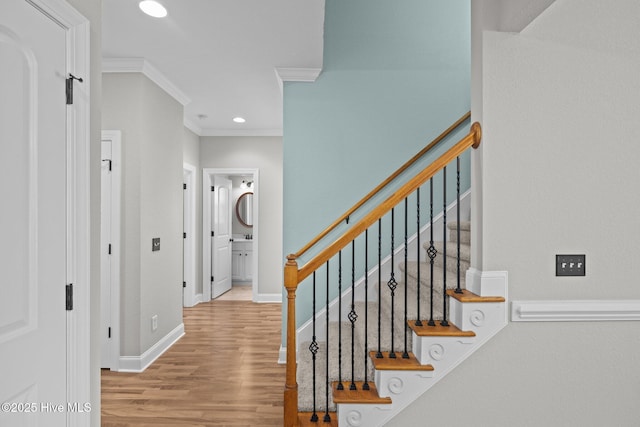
109, 248
109, 332
213, 188
70, 80
184, 235
212, 278
212, 234
184, 284
69, 296
184, 186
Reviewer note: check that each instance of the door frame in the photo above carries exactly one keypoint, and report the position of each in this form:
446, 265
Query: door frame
115, 136
189, 255
80, 163
207, 182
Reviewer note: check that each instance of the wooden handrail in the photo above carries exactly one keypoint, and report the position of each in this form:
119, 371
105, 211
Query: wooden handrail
383, 184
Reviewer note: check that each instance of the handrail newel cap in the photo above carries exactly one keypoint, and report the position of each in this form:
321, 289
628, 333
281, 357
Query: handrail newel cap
477, 134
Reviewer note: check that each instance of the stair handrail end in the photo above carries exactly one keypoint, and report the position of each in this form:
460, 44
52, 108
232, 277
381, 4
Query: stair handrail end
476, 129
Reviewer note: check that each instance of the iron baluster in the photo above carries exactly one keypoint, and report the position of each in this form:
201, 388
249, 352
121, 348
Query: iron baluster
352, 314
405, 355
340, 386
313, 348
444, 321
379, 353
392, 284
431, 252
365, 386
418, 321
458, 289
327, 417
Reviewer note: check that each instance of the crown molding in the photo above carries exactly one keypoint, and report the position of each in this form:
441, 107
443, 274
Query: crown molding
290, 74
141, 65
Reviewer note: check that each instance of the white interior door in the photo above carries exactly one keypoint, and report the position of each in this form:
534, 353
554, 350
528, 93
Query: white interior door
221, 239
33, 220
106, 254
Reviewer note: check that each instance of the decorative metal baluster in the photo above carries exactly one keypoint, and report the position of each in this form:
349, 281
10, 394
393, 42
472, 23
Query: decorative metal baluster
444, 321
352, 314
340, 386
418, 251
405, 354
431, 252
379, 353
365, 386
327, 417
392, 284
313, 348
458, 289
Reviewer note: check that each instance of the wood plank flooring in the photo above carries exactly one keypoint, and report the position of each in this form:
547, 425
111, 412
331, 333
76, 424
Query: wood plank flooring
223, 372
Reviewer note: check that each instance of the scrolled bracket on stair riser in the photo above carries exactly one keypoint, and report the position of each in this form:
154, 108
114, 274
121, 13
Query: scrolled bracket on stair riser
362, 415
437, 350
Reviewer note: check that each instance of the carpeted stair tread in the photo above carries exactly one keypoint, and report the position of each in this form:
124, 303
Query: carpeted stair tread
464, 225
425, 276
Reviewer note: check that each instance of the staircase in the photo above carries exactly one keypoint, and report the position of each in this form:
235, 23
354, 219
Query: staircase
386, 340
395, 382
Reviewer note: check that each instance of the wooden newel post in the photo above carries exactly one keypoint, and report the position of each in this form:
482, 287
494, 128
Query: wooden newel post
291, 385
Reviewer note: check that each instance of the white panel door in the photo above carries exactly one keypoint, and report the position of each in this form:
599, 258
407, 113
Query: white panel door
221, 240
33, 217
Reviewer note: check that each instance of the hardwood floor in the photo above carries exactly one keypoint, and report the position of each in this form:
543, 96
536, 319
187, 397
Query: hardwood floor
223, 372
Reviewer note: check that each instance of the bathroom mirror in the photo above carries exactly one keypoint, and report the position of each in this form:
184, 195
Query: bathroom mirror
244, 209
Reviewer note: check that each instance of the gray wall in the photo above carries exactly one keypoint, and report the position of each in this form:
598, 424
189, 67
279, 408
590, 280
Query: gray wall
92, 10
152, 138
559, 175
265, 154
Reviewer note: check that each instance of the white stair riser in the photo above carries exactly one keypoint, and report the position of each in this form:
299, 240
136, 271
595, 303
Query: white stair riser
477, 317
432, 350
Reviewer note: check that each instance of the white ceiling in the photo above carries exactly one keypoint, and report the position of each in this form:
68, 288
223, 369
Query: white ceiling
220, 56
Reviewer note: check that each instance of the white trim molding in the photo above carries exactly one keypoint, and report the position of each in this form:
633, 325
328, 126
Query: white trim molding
141, 65
290, 74
575, 311
268, 298
140, 363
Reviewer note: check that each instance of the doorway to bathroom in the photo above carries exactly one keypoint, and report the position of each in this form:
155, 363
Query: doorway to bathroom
230, 212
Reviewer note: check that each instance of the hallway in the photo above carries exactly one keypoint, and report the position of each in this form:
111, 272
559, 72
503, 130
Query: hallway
223, 372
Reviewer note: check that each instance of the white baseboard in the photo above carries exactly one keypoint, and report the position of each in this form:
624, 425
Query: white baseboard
271, 298
575, 311
282, 355
140, 363
197, 299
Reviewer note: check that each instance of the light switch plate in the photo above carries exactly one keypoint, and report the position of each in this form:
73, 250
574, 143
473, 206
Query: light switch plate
570, 265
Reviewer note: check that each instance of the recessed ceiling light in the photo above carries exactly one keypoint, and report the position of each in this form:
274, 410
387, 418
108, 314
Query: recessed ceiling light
153, 8
239, 120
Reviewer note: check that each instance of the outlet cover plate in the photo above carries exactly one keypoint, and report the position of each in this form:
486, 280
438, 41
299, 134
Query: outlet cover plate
570, 265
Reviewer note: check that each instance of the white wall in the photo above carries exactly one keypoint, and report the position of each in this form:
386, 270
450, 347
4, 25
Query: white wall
152, 136
265, 154
559, 175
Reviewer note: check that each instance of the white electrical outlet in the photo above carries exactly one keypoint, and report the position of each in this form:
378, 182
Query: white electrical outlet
154, 322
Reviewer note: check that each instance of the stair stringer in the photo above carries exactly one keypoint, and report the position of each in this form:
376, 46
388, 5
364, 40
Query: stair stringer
485, 319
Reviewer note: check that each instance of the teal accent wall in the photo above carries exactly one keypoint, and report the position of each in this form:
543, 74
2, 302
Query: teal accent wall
395, 75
